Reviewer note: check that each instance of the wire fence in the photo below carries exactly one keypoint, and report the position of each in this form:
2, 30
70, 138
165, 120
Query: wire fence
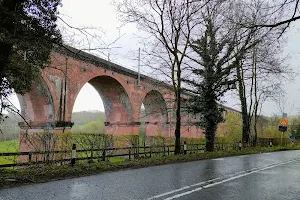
92, 155
49, 148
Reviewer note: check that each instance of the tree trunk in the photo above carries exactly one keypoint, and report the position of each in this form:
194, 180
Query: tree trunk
212, 117
255, 97
246, 125
243, 100
210, 139
178, 122
177, 141
255, 121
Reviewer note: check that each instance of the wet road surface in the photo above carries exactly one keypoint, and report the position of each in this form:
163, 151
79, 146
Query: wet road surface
261, 176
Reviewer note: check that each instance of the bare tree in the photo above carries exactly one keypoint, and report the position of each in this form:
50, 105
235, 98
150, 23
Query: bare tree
168, 24
268, 76
88, 38
259, 75
281, 14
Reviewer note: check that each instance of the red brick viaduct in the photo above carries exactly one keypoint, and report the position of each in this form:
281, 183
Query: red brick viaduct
71, 69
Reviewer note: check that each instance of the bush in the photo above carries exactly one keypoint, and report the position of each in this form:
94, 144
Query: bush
126, 140
193, 140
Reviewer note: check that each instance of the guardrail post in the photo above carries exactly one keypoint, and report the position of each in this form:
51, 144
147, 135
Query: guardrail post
184, 147
73, 155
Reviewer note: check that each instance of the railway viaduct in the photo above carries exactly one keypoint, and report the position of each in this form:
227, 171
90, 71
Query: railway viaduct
50, 102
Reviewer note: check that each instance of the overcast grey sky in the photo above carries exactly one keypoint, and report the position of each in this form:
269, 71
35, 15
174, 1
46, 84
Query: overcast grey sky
97, 13
292, 88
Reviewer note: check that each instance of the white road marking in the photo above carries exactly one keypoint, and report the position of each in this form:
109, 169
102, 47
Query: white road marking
211, 184
228, 179
171, 192
218, 159
198, 184
185, 193
194, 185
183, 188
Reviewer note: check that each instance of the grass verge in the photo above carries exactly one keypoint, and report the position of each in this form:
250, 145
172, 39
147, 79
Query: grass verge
13, 177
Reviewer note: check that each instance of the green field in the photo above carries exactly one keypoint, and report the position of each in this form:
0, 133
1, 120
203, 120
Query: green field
8, 146
13, 146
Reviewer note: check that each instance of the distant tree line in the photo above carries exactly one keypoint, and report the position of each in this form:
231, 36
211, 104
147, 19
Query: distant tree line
9, 129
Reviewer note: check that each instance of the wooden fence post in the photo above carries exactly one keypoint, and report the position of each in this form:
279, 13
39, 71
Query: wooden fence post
137, 150
73, 155
90, 160
129, 153
144, 149
103, 154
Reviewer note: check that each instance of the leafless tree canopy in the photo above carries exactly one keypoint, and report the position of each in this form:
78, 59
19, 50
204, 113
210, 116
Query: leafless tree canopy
168, 25
276, 14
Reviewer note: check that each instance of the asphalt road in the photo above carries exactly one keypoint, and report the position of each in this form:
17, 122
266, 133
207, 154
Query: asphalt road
261, 176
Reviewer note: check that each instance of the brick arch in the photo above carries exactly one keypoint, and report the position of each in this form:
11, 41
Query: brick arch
37, 105
156, 113
114, 97
77, 82
117, 105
